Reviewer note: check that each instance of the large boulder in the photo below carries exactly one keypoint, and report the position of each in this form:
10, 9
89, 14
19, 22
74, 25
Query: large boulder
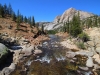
3, 52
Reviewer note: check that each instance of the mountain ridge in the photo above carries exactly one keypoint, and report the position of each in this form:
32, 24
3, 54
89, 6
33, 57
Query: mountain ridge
67, 15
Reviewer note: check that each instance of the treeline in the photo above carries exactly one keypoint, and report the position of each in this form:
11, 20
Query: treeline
76, 25
7, 11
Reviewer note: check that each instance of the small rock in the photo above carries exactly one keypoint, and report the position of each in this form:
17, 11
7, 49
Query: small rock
37, 51
89, 62
12, 66
96, 66
70, 54
97, 58
84, 68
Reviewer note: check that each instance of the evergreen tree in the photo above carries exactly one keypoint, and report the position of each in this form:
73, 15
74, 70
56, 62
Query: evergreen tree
65, 27
25, 19
29, 21
21, 18
75, 26
68, 26
95, 21
99, 21
42, 28
1, 11
89, 23
10, 9
18, 19
33, 21
37, 26
13, 16
5, 9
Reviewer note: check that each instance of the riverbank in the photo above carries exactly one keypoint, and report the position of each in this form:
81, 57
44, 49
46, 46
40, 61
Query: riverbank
60, 56
20, 49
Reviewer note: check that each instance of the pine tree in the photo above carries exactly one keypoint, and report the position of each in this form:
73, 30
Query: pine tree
99, 21
65, 27
18, 19
1, 11
13, 16
37, 26
75, 26
68, 26
29, 21
88, 23
10, 9
95, 21
22, 18
33, 21
5, 10
42, 28
25, 19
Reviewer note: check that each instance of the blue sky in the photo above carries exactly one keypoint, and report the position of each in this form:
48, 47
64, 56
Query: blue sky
47, 10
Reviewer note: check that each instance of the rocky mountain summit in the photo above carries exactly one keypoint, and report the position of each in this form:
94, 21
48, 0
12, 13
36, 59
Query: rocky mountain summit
68, 14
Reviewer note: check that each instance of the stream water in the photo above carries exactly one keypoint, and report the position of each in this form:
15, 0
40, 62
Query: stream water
52, 61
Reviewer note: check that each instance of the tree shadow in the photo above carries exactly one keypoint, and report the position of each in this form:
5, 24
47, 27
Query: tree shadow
7, 62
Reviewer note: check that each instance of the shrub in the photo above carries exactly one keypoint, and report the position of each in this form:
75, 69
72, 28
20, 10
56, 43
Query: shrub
81, 45
52, 31
84, 37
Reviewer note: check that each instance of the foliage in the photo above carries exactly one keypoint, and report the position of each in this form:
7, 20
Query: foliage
75, 29
13, 16
81, 45
84, 37
7, 11
33, 21
18, 19
51, 31
64, 27
1, 11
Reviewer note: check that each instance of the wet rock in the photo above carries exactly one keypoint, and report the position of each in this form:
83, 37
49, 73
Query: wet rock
12, 66
89, 62
6, 71
37, 51
16, 56
84, 53
84, 68
70, 54
28, 50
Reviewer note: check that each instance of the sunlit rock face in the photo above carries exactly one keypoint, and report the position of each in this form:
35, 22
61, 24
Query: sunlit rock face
67, 15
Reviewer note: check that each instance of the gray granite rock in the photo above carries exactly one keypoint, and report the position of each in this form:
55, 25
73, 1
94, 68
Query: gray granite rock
89, 62
3, 52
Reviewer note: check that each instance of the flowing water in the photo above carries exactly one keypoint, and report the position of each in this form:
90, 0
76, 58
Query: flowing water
52, 61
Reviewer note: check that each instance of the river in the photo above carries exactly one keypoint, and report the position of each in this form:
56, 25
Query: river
52, 61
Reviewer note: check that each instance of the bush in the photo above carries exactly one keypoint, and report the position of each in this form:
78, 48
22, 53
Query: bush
81, 45
84, 37
52, 31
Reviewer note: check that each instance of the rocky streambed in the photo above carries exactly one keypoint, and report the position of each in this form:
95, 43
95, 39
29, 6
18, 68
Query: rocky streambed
52, 58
